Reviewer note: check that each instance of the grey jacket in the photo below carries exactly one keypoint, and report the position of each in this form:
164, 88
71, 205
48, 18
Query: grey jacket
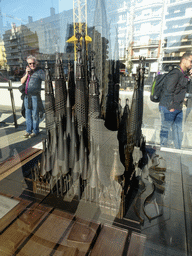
34, 89
34, 85
174, 90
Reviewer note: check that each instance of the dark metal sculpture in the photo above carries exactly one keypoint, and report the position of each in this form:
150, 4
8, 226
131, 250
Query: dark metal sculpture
112, 116
100, 47
122, 131
71, 84
134, 133
60, 93
81, 92
135, 138
49, 100
94, 106
73, 158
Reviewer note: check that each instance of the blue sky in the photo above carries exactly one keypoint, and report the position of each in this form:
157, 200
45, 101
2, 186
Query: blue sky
21, 9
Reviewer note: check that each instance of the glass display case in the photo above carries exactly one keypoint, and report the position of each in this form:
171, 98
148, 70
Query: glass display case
96, 179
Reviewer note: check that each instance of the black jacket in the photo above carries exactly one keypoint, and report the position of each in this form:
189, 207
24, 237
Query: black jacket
39, 101
174, 90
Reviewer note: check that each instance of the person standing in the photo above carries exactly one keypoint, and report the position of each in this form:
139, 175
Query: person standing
32, 100
188, 100
171, 103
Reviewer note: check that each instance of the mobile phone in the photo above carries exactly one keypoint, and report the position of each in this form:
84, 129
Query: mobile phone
30, 69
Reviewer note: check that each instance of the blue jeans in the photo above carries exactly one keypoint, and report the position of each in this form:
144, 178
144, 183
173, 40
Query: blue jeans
32, 115
171, 120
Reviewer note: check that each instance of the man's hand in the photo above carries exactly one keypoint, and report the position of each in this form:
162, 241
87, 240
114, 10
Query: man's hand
172, 110
28, 70
190, 72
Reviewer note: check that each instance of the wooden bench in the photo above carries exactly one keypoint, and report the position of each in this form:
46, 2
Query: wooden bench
14, 163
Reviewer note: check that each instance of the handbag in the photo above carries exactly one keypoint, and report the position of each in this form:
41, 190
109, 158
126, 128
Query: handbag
22, 88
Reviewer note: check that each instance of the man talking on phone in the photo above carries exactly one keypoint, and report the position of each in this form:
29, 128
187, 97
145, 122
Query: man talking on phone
32, 101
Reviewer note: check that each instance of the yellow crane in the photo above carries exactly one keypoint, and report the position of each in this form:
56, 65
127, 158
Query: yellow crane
79, 22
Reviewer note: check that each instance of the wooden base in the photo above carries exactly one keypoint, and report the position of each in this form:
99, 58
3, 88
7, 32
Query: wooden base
34, 229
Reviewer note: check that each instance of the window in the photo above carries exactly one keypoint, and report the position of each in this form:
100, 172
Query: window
89, 178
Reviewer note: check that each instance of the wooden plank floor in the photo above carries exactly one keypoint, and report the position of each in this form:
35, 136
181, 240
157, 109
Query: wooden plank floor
14, 213
82, 234
111, 241
46, 239
168, 235
137, 245
12, 239
39, 230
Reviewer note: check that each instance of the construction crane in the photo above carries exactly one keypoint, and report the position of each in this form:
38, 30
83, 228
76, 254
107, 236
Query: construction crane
12, 17
79, 22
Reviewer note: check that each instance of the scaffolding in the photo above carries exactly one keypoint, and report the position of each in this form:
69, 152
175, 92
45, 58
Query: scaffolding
79, 23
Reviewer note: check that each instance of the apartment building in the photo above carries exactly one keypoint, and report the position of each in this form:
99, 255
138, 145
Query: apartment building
147, 33
139, 27
118, 22
158, 30
19, 42
41, 38
177, 32
48, 31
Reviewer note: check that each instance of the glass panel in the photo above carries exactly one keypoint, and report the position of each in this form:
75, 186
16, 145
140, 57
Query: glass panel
97, 145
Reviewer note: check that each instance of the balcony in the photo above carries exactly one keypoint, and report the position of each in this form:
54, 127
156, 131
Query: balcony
175, 15
150, 3
150, 43
14, 50
9, 50
178, 29
13, 37
151, 17
154, 42
150, 56
15, 43
12, 63
121, 21
179, 45
9, 57
169, 59
6, 37
143, 32
12, 57
31, 40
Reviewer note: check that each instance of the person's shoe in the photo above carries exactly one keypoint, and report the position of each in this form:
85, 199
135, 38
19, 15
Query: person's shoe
26, 135
32, 135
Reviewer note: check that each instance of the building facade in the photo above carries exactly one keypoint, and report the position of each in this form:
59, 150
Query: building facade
147, 33
19, 42
3, 59
160, 31
177, 32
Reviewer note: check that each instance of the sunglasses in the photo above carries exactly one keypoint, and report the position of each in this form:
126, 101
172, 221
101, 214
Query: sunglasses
32, 63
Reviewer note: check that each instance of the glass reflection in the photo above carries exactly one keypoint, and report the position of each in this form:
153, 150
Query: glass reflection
96, 47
